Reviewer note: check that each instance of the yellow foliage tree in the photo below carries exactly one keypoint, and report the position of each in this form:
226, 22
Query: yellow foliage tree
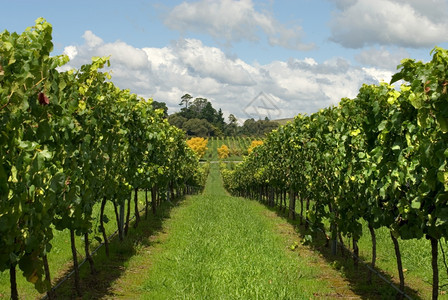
255, 143
223, 151
199, 145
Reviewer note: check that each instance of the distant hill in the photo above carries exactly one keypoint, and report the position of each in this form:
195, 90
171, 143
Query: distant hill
283, 121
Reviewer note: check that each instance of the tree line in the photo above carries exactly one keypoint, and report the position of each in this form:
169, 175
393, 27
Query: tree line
198, 117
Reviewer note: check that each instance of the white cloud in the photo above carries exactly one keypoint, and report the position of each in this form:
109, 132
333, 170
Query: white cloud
378, 74
188, 66
91, 39
381, 58
212, 62
124, 54
414, 24
233, 21
311, 86
70, 51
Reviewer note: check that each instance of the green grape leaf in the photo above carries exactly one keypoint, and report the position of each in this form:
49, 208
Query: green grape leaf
443, 122
416, 204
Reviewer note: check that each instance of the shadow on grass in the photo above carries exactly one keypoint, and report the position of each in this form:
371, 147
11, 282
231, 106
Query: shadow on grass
109, 269
343, 262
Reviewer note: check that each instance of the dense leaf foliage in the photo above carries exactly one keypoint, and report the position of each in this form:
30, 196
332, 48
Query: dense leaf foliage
254, 144
68, 140
381, 157
223, 151
198, 145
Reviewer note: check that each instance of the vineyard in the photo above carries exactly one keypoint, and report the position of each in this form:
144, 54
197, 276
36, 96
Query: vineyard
238, 147
379, 159
71, 142
80, 158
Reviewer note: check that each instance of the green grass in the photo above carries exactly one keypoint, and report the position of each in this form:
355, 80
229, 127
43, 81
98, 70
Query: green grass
212, 153
213, 246
132, 251
223, 247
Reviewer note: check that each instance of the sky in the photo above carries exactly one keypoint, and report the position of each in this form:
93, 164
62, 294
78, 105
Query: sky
251, 58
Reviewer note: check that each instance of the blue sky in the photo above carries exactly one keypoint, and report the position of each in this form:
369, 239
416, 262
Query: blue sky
301, 55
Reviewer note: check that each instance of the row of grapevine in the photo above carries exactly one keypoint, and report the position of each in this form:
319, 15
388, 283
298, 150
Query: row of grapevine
380, 157
69, 141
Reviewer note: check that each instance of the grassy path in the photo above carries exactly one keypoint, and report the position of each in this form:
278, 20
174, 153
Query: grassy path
219, 247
